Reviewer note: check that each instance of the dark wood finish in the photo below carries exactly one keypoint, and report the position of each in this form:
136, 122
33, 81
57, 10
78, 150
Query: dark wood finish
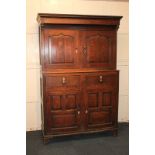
101, 80
63, 111
78, 19
61, 48
101, 91
98, 48
79, 80
62, 82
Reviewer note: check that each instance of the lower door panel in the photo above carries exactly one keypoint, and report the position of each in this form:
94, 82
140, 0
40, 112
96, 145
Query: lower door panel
63, 112
99, 113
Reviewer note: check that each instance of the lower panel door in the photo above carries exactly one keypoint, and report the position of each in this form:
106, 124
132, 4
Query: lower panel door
100, 111
63, 112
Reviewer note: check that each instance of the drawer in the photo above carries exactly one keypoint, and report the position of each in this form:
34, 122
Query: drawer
62, 81
102, 80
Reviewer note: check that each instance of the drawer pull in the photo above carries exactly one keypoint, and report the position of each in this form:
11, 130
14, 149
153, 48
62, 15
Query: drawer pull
63, 80
76, 50
84, 50
78, 112
101, 78
86, 111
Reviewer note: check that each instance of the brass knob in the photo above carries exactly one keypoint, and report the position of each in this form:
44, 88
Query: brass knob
85, 50
101, 78
63, 80
76, 50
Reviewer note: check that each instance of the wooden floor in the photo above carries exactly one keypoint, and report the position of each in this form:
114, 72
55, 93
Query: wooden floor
94, 144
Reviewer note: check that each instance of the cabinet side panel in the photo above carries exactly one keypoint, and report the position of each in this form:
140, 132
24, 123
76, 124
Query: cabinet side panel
41, 46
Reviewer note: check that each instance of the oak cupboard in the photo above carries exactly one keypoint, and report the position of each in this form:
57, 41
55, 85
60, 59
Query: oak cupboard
79, 80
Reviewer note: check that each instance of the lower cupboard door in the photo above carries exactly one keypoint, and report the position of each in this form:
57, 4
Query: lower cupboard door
99, 111
63, 113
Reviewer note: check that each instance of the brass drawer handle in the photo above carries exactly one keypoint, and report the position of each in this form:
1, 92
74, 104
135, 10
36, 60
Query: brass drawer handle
100, 78
76, 50
85, 50
63, 80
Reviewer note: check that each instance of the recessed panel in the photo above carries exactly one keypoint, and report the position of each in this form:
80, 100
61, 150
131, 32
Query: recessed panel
70, 101
66, 120
98, 49
56, 102
106, 99
60, 48
92, 99
99, 117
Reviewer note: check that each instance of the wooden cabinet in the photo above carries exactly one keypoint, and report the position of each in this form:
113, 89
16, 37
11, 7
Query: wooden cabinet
79, 80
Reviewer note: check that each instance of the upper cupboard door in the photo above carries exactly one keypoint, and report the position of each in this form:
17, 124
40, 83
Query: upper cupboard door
99, 48
60, 48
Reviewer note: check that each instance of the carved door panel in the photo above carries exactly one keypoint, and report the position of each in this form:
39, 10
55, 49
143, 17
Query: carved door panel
61, 48
63, 112
98, 49
99, 109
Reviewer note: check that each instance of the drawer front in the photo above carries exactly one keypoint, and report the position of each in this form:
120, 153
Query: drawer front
102, 80
58, 82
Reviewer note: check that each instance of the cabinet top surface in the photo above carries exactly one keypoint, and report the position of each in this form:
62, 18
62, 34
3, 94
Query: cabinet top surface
49, 15
45, 18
